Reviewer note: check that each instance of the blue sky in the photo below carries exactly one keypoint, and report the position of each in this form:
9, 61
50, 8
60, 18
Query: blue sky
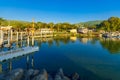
72, 11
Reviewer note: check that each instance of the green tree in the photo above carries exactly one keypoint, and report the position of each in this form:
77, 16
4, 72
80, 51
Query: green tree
112, 24
51, 25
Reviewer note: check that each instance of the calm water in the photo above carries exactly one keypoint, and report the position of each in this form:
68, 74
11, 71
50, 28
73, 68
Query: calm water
93, 59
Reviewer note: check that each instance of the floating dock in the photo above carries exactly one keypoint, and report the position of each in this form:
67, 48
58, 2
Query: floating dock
6, 55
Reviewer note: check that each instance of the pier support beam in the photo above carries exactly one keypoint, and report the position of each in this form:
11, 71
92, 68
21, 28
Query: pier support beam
11, 35
10, 65
21, 35
0, 68
32, 62
1, 37
21, 39
32, 40
28, 41
8, 37
17, 37
27, 62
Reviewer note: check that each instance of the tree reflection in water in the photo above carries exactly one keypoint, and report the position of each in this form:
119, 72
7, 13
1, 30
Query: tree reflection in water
112, 45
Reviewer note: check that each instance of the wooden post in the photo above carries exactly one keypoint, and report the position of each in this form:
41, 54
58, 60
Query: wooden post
10, 65
8, 37
32, 40
27, 62
21, 36
0, 68
21, 39
1, 36
28, 41
17, 37
32, 62
11, 35
33, 32
27, 58
40, 34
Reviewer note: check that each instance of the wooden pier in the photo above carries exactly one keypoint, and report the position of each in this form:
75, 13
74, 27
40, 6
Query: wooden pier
6, 55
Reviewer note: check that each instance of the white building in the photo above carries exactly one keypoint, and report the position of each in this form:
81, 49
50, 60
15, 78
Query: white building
82, 30
73, 31
46, 31
5, 27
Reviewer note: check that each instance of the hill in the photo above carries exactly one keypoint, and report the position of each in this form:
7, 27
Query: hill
90, 23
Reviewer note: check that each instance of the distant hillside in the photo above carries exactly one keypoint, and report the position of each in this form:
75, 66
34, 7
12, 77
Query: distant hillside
90, 23
93, 22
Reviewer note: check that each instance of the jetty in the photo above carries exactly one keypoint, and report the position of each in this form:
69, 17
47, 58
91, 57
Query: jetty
16, 53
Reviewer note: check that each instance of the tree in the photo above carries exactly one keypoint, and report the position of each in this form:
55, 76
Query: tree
51, 25
39, 25
3, 22
112, 24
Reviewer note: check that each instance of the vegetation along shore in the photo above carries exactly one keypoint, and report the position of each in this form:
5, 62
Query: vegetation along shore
107, 28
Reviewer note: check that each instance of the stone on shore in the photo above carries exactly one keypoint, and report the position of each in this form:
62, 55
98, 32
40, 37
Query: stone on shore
42, 76
16, 74
75, 76
31, 74
60, 75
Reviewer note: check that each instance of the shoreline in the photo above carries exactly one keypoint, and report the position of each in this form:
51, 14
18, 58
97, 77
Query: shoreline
34, 74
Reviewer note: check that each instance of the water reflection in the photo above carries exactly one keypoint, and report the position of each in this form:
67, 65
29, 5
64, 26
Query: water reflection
73, 38
88, 56
111, 44
19, 49
9, 64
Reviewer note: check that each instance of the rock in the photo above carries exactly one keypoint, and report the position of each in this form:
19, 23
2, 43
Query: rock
50, 77
66, 78
58, 77
42, 76
36, 72
60, 72
16, 74
75, 76
30, 74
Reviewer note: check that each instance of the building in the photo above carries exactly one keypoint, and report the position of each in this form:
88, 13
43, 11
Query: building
82, 30
73, 31
5, 28
46, 31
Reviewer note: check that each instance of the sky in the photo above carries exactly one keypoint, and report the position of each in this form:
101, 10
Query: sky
72, 11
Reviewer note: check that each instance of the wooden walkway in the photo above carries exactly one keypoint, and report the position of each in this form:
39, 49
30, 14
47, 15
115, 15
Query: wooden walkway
6, 55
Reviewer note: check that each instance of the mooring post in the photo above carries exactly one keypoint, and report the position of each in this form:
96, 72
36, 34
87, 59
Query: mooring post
32, 62
32, 40
10, 65
11, 35
21, 39
17, 37
8, 37
28, 40
1, 36
0, 68
21, 36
